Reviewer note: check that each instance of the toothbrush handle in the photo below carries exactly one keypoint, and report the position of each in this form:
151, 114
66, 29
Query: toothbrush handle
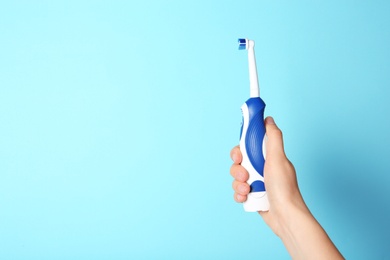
253, 153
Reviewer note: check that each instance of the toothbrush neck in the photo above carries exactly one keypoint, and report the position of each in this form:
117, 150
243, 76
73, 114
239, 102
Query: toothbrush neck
253, 81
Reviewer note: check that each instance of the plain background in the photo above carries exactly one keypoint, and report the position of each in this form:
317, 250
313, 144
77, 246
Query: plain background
117, 119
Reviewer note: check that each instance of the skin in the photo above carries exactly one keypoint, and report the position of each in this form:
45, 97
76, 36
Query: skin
288, 216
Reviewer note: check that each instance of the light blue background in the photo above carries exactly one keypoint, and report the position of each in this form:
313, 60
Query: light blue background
117, 119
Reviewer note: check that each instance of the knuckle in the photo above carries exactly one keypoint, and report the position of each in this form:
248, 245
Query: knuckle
233, 170
277, 132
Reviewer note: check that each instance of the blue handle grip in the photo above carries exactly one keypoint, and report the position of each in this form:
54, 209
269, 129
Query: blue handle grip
254, 139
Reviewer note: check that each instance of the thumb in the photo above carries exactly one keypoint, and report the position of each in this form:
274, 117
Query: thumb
274, 143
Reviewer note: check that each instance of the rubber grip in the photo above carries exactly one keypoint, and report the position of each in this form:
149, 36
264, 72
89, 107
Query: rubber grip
251, 146
255, 134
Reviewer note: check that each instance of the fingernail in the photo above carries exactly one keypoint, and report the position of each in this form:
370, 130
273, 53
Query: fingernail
269, 120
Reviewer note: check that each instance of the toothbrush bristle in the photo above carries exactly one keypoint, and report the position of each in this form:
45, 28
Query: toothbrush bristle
242, 44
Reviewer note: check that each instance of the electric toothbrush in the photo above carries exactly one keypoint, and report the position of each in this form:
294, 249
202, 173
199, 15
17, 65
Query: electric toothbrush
252, 136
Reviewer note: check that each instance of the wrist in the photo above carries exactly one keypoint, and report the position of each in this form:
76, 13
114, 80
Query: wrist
303, 236
291, 215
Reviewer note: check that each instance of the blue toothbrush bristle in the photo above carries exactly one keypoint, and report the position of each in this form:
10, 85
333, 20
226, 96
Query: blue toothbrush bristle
242, 44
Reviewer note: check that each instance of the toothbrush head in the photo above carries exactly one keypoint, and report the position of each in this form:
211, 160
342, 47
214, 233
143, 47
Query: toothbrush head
243, 44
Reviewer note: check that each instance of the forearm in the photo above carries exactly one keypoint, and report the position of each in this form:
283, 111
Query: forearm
304, 237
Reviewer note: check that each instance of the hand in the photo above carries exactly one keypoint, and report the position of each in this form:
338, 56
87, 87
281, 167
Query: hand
279, 177
288, 216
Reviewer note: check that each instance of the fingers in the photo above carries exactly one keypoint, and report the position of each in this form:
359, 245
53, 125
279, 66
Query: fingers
275, 138
240, 187
240, 198
235, 154
241, 190
239, 173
